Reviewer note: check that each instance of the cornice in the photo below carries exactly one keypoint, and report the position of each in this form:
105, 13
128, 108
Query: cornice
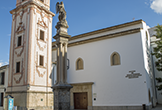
83, 83
105, 37
108, 36
107, 29
32, 3
29, 91
4, 67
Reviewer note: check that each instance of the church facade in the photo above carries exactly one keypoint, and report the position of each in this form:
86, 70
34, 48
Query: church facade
110, 68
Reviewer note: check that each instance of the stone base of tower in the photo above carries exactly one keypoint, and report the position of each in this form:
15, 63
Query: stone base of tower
32, 100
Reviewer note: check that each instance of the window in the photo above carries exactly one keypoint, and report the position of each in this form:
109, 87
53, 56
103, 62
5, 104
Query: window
23, 0
2, 78
18, 67
41, 35
146, 35
115, 59
149, 96
1, 99
19, 41
79, 64
41, 60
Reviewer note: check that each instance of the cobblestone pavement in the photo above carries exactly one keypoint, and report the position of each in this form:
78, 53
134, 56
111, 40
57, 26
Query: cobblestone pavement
158, 107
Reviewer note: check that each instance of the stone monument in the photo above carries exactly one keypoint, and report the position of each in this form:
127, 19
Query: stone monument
61, 88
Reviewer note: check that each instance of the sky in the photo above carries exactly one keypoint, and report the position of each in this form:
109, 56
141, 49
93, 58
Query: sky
85, 16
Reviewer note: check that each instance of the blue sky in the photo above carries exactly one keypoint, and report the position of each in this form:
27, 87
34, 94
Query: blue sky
85, 16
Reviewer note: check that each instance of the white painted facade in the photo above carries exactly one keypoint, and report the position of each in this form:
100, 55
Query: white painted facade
30, 54
111, 86
27, 22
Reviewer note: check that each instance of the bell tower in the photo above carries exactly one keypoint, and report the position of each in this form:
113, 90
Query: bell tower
30, 55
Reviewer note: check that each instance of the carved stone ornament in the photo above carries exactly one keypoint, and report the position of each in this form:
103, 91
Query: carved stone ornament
18, 52
40, 47
133, 75
42, 23
18, 76
21, 15
39, 73
20, 28
62, 15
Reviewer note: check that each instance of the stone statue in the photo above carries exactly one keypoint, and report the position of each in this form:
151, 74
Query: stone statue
62, 13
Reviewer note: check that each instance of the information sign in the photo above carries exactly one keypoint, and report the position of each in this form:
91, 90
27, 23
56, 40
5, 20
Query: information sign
10, 104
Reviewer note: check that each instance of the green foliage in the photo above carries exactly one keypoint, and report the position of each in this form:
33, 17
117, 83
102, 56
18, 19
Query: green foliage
158, 53
159, 87
158, 49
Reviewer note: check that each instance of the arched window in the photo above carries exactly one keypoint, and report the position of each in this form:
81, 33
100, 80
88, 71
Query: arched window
79, 64
115, 59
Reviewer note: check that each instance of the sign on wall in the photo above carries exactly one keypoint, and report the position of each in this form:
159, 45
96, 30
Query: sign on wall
10, 104
133, 74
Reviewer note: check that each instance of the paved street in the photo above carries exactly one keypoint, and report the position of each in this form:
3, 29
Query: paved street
158, 107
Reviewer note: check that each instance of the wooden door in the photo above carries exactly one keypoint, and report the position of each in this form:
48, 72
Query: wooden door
80, 100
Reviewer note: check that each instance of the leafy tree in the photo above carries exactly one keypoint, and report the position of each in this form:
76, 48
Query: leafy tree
158, 53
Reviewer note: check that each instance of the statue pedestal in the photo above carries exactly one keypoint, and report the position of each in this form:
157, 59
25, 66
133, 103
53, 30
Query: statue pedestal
62, 96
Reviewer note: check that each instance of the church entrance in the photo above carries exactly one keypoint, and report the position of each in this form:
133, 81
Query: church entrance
80, 100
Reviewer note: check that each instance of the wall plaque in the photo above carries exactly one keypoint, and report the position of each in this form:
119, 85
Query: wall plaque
133, 74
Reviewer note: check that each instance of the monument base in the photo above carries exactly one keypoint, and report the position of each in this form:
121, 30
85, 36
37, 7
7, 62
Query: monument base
62, 96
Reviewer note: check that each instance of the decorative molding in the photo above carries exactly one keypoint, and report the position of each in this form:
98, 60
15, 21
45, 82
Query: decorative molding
28, 10
83, 83
41, 48
19, 79
107, 29
20, 28
39, 74
99, 38
133, 75
42, 23
32, 3
19, 54
13, 17
21, 15
105, 37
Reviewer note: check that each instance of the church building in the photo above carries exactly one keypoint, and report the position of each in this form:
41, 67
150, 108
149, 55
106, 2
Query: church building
109, 69
30, 55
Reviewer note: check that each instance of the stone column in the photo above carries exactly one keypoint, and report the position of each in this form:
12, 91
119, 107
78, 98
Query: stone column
61, 89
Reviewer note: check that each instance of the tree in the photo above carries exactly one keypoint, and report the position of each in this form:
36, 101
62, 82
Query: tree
158, 53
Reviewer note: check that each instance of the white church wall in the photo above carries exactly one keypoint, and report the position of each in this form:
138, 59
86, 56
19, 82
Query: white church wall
148, 63
108, 32
145, 47
110, 82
